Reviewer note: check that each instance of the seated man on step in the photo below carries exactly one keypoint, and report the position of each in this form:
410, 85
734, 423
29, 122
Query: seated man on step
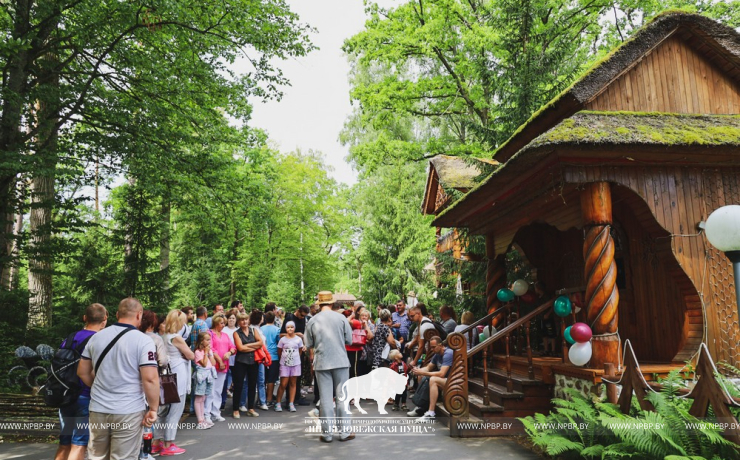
442, 361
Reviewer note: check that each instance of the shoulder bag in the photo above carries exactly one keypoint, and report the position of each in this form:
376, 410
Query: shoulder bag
168, 393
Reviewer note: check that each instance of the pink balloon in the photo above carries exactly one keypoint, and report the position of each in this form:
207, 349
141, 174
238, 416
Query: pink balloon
580, 332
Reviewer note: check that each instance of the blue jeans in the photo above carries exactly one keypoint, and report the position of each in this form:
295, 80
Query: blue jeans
261, 399
245, 391
74, 420
227, 383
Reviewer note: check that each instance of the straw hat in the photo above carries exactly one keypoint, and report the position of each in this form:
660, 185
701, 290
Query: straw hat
325, 298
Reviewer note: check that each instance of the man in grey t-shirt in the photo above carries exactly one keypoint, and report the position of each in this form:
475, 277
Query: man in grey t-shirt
326, 335
125, 382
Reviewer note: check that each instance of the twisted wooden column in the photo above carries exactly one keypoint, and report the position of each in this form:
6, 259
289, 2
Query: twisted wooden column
495, 278
602, 295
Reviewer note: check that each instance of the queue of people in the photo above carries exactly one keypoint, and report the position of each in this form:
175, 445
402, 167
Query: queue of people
220, 355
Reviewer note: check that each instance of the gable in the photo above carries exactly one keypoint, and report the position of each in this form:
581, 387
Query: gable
672, 78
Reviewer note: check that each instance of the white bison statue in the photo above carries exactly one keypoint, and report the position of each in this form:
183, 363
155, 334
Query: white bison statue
380, 384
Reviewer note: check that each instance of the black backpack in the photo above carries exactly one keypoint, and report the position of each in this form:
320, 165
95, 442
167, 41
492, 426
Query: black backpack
440, 329
62, 387
441, 332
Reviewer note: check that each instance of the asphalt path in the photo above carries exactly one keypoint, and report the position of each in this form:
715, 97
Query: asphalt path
290, 435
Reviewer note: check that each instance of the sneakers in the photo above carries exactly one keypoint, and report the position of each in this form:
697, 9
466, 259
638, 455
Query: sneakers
395, 408
413, 413
243, 408
252, 413
278, 407
428, 417
263, 407
218, 418
313, 413
156, 449
291, 407
172, 450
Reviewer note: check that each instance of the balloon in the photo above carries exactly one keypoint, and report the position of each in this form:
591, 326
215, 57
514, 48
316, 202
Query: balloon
528, 297
562, 306
580, 353
486, 332
480, 328
505, 295
567, 336
481, 338
580, 332
520, 287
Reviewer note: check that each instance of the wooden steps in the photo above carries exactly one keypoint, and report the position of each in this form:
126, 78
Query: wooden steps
499, 417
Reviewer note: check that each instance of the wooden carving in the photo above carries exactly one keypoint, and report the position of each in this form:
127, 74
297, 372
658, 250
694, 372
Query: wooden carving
602, 296
709, 391
456, 388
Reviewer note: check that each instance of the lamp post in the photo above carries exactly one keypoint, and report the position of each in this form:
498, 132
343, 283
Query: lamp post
723, 231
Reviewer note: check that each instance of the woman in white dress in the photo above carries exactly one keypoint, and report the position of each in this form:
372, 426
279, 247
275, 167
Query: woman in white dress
179, 355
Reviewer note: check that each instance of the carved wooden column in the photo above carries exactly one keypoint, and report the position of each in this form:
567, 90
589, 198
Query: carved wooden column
495, 278
602, 296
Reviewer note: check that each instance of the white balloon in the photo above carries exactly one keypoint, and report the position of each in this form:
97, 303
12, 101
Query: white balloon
520, 287
580, 353
486, 332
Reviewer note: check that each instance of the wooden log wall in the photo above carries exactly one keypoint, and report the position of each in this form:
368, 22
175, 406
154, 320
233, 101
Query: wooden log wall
678, 198
673, 78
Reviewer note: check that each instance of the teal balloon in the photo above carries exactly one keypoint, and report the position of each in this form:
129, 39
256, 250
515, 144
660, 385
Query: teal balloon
505, 295
567, 336
562, 306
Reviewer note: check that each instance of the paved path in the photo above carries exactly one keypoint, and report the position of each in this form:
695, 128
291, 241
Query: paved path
283, 436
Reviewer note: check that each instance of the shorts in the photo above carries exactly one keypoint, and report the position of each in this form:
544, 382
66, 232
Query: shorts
272, 373
290, 371
203, 388
72, 419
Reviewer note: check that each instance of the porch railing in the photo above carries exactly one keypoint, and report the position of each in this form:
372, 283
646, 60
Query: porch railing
456, 388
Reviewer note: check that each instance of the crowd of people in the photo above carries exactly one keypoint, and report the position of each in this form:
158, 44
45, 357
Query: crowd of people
224, 355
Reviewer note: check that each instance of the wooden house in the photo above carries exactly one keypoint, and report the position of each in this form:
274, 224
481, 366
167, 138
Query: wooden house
604, 187
449, 176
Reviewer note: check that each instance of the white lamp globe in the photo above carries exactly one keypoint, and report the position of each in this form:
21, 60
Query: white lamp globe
723, 228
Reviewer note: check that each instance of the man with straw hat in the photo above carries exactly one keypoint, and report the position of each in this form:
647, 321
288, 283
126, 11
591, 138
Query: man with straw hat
326, 335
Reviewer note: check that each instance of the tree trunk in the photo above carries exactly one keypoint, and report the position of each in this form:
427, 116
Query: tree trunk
130, 274
40, 267
11, 138
164, 245
40, 257
9, 278
234, 254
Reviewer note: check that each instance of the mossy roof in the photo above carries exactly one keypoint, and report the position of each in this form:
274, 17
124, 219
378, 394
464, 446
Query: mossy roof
639, 128
590, 129
458, 173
